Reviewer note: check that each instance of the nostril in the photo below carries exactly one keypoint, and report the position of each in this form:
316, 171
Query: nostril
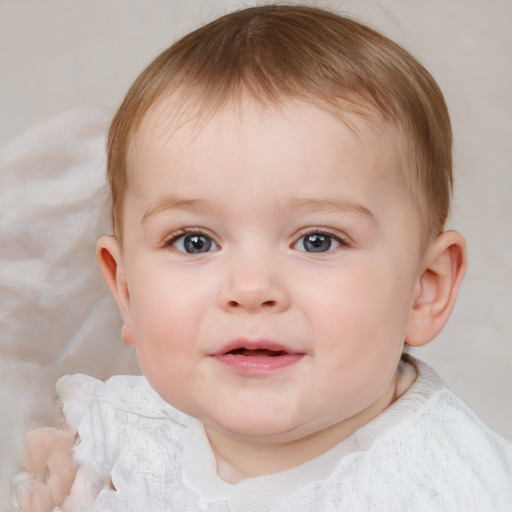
266, 304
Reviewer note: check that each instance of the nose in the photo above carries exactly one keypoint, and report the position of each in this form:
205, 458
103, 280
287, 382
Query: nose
254, 284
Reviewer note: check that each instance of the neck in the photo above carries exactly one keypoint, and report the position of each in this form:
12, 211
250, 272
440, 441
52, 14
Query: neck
238, 460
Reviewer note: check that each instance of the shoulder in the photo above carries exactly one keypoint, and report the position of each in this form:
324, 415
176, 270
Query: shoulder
445, 449
127, 394
130, 439
121, 419
130, 443
440, 419
436, 456
444, 456
450, 428
450, 432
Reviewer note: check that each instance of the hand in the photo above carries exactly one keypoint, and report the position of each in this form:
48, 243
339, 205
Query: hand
50, 470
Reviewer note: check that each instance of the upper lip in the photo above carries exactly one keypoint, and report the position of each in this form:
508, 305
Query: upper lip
255, 344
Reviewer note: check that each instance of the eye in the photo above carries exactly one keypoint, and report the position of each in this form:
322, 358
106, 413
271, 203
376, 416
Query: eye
317, 242
193, 243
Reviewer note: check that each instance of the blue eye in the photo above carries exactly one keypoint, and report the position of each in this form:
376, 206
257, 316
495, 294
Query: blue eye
194, 243
317, 242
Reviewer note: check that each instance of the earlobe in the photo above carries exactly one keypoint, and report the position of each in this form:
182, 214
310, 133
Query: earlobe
437, 288
110, 261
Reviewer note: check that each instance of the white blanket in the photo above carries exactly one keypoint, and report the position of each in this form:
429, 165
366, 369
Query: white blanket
56, 314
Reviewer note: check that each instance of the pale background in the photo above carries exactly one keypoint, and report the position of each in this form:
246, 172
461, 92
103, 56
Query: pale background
61, 54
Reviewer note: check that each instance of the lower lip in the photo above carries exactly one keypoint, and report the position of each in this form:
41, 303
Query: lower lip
258, 365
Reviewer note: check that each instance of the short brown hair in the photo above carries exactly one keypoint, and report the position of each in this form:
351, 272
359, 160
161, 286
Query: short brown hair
275, 52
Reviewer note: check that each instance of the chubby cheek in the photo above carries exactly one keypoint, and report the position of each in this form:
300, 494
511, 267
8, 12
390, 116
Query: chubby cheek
360, 339
163, 324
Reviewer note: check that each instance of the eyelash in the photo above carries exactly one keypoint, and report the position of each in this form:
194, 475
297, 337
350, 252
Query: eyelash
342, 242
183, 233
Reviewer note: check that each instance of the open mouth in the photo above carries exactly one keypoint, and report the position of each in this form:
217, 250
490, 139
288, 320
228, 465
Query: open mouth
258, 357
258, 352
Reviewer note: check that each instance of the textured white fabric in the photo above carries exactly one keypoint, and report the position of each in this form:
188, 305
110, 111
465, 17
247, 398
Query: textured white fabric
426, 452
57, 316
56, 313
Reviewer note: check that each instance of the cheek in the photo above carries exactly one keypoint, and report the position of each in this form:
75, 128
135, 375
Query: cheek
363, 307
163, 321
164, 343
160, 297
359, 341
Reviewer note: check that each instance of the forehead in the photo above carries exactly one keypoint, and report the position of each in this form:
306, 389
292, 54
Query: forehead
251, 159
175, 126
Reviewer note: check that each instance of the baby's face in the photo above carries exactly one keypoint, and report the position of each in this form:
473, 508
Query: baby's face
271, 259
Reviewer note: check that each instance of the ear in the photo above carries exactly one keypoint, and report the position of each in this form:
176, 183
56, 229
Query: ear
110, 261
444, 266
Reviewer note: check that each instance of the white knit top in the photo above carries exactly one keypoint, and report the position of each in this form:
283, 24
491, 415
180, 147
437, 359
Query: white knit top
426, 452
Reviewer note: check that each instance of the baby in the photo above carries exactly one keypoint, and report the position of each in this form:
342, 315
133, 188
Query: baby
280, 183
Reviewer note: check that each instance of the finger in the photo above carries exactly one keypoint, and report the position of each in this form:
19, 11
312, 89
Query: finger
42, 442
33, 496
62, 470
71, 504
86, 487
39, 443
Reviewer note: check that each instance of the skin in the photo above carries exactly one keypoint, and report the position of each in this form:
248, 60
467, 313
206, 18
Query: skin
50, 462
254, 182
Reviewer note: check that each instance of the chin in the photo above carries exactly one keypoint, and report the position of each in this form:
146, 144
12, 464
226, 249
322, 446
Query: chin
257, 431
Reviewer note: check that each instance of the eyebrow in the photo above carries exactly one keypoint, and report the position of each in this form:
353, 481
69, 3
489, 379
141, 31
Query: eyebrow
293, 205
298, 205
172, 202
